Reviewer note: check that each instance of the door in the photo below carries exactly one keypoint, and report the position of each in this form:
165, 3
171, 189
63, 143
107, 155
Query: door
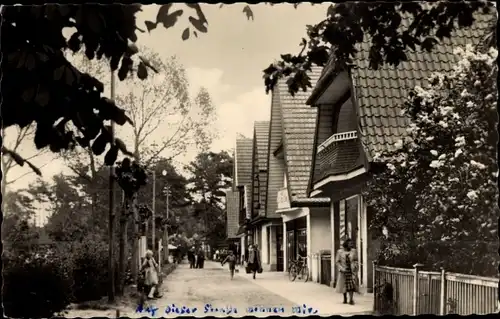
279, 249
290, 242
302, 242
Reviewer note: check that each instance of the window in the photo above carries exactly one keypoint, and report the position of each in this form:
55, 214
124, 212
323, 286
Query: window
342, 114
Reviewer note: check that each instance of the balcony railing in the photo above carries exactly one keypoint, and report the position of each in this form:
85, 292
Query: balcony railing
345, 136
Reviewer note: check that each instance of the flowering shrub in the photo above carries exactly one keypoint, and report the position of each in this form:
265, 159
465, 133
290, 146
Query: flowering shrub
438, 193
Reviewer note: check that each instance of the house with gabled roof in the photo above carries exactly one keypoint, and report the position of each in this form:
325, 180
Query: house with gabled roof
260, 224
242, 183
305, 222
359, 117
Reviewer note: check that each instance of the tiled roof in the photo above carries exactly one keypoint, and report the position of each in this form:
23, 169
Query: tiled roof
244, 148
244, 161
262, 137
381, 93
232, 213
299, 126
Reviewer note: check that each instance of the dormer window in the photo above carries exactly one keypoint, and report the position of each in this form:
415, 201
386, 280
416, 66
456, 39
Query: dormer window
344, 119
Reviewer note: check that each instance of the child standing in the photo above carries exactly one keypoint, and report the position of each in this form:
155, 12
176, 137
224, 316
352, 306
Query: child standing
231, 259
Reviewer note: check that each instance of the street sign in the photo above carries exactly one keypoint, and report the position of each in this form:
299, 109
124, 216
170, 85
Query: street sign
282, 199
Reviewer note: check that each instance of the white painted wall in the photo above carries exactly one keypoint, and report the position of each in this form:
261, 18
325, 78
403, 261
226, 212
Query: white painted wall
320, 230
265, 244
309, 243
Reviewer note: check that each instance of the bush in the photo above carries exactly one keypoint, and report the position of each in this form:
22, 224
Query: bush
35, 286
90, 270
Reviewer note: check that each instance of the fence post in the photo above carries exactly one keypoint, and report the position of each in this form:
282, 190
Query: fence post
416, 289
442, 297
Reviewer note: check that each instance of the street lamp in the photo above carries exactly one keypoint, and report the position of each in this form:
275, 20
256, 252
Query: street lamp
167, 252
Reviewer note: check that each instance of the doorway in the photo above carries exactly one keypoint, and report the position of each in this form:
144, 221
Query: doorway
290, 243
279, 249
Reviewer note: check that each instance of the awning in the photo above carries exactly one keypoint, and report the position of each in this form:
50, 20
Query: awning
258, 220
287, 210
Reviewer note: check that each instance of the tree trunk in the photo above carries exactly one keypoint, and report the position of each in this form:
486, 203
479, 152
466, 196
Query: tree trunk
93, 171
135, 249
136, 235
123, 246
4, 183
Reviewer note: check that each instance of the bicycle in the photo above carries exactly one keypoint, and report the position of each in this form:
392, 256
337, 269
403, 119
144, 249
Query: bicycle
298, 268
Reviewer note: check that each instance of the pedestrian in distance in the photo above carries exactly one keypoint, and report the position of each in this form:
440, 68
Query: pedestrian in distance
347, 265
254, 262
231, 260
151, 270
191, 258
200, 260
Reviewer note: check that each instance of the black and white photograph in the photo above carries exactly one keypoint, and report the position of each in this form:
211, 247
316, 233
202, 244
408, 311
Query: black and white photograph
249, 160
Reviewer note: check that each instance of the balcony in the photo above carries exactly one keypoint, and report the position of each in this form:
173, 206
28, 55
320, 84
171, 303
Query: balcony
283, 199
339, 154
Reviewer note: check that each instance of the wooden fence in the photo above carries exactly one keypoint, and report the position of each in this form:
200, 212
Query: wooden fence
398, 292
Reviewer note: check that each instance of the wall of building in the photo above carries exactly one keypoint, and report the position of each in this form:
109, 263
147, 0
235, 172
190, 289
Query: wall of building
320, 230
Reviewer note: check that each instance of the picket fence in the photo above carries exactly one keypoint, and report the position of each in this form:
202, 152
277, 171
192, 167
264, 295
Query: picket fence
401, 291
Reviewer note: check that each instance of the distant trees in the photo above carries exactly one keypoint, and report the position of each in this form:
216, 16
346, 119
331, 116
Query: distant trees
210, 175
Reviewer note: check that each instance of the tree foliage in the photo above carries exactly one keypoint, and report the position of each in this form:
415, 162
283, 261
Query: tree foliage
40, 85
385, 23
19, 231
162, 103
438, 195
210, 176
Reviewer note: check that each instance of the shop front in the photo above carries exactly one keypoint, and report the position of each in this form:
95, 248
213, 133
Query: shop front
296, 235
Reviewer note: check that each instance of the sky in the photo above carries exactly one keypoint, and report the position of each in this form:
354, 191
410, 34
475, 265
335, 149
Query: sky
227, 61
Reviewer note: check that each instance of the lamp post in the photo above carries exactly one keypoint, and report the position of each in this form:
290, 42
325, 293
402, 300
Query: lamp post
167, 253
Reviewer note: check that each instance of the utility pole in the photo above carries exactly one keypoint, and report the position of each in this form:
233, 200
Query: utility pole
153, 223
111, 257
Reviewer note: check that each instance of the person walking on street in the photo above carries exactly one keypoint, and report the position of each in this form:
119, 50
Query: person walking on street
191, 258
200, 259
254, 263
347, 265
151, 269
231, 260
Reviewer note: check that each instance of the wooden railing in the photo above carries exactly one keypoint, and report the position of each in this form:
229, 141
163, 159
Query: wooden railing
398, 292
345, 136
